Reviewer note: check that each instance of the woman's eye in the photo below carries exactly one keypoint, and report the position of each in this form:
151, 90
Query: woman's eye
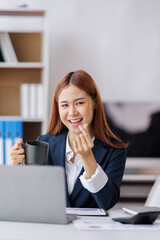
79, 103
64, 105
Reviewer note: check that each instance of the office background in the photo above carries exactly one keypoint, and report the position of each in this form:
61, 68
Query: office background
117, 42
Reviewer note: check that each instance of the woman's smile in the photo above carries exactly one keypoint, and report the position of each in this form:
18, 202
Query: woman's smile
75, 122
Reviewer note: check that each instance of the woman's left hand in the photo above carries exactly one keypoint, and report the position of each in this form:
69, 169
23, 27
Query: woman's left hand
82, 146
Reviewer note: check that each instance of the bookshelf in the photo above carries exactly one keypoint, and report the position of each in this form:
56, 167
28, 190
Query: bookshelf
139, 177
28, 32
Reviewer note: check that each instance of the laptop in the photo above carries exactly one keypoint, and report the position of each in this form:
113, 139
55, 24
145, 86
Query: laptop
33, 194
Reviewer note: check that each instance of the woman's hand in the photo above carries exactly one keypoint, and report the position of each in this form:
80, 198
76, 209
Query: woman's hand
17, 155
82, 145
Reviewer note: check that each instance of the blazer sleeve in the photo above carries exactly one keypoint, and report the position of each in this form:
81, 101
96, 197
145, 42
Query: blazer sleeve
113, 165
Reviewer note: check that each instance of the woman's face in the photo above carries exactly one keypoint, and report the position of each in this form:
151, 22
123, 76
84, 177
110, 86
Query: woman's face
76, 108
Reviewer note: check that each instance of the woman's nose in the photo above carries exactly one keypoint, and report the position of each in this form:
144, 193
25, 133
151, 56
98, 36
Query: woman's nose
72, 110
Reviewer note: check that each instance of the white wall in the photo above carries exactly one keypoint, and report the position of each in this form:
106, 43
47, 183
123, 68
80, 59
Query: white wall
116, 41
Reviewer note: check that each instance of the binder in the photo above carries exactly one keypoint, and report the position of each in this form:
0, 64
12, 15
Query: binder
40, 101
8, 142
33, 100
7, 49
1, 55
25, 99
17, 129
1, 143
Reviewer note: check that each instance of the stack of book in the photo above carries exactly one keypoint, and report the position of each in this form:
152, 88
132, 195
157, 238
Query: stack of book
10, 133
31, 98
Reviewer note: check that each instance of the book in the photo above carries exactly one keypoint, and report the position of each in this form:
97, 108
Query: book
40, 101
33, 100
87, 211
7, 49
25, 99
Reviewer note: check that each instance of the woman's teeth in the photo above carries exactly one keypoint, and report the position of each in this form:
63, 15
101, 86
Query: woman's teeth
74, 121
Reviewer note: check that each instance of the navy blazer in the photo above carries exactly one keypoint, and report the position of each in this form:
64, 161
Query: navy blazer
110, 159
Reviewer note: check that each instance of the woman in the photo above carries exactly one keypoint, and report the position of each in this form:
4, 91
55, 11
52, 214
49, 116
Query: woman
81, 141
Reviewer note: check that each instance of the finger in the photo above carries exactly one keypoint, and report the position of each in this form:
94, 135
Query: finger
20, 140
84, 131
75, 146
84, 142
16, 146
17, 160
23, 162
86, 134
16, 152
79, 143
85, 126
17, 157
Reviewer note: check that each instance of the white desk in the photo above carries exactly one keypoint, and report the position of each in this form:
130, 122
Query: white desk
16, 231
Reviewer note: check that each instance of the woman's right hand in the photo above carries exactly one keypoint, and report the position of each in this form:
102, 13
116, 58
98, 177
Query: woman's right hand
17, 155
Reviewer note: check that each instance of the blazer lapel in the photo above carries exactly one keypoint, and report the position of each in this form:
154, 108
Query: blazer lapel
58, 150
99, 152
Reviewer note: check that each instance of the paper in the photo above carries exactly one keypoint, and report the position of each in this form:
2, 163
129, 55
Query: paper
87, 211
109, 224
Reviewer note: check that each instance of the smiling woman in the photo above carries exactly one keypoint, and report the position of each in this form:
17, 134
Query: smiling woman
81, 141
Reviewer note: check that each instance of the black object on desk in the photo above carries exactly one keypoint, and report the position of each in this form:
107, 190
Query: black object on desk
139, 218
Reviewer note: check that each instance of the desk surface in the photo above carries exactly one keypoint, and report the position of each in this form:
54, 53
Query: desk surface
14, 230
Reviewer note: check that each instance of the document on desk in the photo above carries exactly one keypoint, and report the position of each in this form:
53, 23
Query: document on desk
87, 211
109, 224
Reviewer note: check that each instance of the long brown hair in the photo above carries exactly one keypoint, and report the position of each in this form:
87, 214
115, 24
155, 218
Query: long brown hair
99, 125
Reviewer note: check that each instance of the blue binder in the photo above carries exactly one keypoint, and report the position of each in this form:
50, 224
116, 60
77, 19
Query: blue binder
17, 129
8, 142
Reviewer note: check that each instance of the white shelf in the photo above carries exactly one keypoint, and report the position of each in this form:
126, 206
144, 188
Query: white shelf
142, 162
36, 65
10, 118
139, 178
19, 20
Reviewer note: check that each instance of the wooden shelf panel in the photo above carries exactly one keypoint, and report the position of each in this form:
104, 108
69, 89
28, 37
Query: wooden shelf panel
17, 76
10, 83
27, 46
9, 100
